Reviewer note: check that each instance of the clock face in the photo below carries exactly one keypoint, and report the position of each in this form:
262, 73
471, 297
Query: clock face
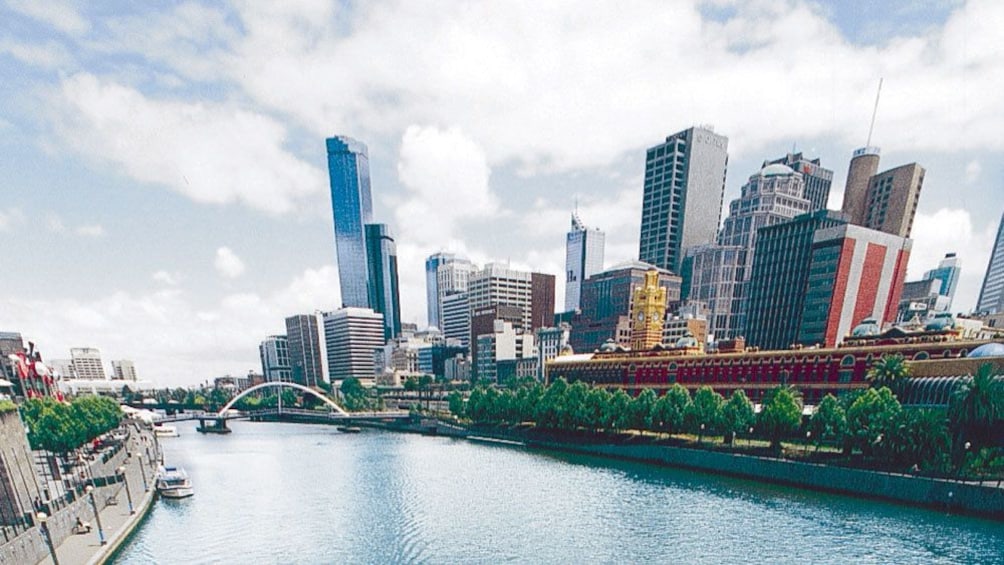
641, 317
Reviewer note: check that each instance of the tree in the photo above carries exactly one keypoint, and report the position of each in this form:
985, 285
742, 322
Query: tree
889, 371
456, 403
671, 408
703, 414
829, 423
618, 415
919, 437
642, 408
737, 415
596, 408
977, 407
780, 415
870, 418
355, 394
551, 404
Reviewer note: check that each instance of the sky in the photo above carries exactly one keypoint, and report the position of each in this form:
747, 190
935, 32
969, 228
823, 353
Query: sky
163, 182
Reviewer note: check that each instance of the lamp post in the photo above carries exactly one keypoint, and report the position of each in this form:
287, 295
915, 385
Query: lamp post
97, 515
808, 436
142, 470
749, 438
43, 518
125, 478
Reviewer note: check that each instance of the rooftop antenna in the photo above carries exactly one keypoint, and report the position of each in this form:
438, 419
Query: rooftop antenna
874, 111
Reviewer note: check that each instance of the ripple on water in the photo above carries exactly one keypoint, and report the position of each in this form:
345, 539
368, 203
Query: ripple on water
273, 493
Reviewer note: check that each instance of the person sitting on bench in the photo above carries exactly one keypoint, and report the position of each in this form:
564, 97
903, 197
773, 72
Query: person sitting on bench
83, 527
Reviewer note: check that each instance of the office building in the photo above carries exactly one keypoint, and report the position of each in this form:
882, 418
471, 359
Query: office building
123, 370
855, 273
500, 284
919, 300
304, 346
352, 336
541, 300
606, 304
274, 354
457, 318
87, 363
816, 178
432, 301
381, 258
452, 277
63, 368
503, 342
583, 259
352, 208
551, 342
777, 286
991, 298
717, 275
683, 194
10, 343
885, 201
947, 274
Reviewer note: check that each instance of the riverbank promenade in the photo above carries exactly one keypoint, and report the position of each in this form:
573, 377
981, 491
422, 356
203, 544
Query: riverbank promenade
117, 521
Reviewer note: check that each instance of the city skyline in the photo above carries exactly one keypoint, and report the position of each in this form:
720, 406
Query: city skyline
211, 232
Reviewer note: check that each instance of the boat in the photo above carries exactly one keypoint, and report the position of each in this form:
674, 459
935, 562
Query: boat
349, 429
173, 482
161, 430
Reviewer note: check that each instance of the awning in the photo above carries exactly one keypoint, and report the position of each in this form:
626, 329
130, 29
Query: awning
6, 384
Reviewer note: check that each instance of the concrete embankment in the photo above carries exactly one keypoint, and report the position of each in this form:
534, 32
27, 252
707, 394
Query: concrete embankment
955, 496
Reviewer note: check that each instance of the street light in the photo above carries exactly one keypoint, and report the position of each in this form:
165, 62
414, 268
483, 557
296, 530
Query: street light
142, 470
808, 436
125, 478
42, 519
97, 515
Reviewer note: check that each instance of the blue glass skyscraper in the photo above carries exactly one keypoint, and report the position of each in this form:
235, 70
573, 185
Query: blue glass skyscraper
352, 207
381, 254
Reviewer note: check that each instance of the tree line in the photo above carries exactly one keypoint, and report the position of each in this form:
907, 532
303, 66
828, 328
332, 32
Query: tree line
61, 427
870, 422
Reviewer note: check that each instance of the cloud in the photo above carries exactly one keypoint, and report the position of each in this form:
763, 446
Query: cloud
951, 230
165, 277
228, 264
183, 343
10, 217
49, 55
973, 170
92, 230
60, 14
210, 153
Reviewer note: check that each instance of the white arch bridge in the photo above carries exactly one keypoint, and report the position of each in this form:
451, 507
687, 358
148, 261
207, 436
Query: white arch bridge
335, 413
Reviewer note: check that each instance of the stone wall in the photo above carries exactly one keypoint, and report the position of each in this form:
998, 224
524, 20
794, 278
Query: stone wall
18, 485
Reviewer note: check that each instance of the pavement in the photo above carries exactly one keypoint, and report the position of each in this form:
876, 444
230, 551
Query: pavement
116, 520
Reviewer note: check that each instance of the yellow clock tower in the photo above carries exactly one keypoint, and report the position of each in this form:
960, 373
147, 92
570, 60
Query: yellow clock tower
648, 313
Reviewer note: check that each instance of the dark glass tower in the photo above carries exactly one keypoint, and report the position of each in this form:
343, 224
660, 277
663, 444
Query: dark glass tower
381, 255
992, 292
684, 189
817, 178
352, 207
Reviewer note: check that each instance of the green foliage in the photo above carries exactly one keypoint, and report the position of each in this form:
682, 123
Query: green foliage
870, 419
7, 406
457, 404
670, 409
704, 413
918, 437
597, 408
737, 415
889, 372
829, 423
618, 416
356, 396
780, 415
60, 427
642, 409
977, 408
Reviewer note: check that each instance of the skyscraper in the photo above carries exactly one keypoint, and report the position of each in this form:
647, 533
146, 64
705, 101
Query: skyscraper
87, 363
274, 354
304, 346
432, 302
855, 273
816, 178
684, 189
947, 274
352, 334
885, 201
384, 297
992, 292
351, 205
717, 275
583, 258
777, 286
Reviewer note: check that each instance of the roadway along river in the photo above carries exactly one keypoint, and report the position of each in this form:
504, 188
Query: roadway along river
287, 493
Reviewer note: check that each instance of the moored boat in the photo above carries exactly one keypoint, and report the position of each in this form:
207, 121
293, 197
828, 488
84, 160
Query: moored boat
173, 482
163, 430
349, 429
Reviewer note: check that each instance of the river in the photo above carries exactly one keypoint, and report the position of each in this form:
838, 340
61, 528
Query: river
290, 493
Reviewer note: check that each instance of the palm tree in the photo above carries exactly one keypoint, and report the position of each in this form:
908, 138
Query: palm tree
976, 406
889, 371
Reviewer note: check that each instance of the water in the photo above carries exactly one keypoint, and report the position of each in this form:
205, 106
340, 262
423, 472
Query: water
286, 493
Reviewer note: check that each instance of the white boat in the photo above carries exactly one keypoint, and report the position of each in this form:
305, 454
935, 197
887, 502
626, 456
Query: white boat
163, 430
173, 482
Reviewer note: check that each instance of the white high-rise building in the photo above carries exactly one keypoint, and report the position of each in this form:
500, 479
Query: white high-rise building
274, 354
452, 276
87, 363
583, 258
351, 336
500, 284
123, 370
